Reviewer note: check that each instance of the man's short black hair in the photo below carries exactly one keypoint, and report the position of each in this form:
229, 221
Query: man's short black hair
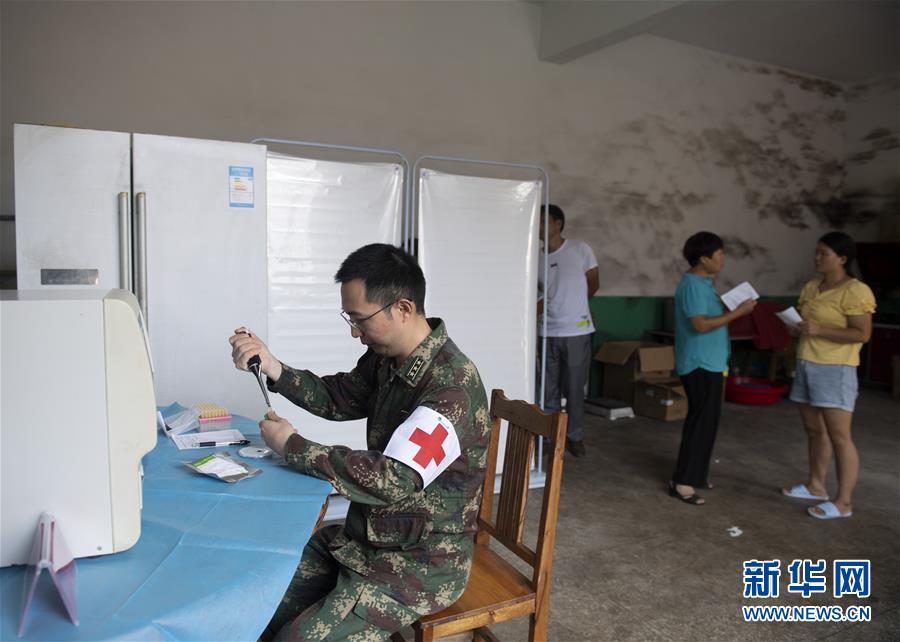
556, 214
701, 244
390, 274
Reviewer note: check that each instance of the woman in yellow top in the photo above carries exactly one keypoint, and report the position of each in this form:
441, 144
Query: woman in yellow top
837, 320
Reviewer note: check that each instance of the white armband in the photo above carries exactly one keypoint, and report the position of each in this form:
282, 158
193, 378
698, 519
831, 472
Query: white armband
426, 442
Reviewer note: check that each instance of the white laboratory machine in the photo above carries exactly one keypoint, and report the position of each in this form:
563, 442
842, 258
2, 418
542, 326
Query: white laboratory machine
77, 414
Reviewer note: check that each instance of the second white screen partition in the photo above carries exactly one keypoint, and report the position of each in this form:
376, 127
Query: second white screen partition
478, 247
319, 212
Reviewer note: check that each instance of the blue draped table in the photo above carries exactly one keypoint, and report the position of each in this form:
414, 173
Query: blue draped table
212, 562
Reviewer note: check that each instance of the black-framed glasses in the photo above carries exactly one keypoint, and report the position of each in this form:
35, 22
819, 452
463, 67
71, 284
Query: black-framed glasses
357, 325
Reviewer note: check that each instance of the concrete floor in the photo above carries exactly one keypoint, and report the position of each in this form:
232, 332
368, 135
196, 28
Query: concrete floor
633, 563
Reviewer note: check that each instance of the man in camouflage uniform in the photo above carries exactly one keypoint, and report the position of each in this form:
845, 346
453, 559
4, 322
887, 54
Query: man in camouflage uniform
405, 549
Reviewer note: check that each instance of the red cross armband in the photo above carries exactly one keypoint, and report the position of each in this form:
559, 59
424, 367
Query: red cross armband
426, 442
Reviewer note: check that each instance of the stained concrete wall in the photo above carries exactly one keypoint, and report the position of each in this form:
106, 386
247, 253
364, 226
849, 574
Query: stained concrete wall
873, 153
675, 139
646, 141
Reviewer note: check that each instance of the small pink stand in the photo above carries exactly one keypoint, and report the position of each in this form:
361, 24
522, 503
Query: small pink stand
50, 552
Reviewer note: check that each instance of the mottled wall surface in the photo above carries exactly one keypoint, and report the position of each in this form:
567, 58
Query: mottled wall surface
646, 142
873, 154
674, 139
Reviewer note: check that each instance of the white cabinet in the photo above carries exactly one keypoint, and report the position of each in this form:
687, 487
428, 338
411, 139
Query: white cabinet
180, 221
70, 218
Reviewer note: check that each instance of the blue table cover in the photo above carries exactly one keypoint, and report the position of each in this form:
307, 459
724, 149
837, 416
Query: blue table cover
212, 562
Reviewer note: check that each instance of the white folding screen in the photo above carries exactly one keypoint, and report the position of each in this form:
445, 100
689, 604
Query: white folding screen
479, 251
319, 212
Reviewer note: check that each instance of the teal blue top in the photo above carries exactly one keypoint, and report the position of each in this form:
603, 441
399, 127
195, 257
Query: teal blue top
696, 296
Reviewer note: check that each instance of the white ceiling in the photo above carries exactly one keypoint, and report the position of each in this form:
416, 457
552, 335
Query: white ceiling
842, 40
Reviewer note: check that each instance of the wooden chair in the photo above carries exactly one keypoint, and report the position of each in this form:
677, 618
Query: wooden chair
497, 591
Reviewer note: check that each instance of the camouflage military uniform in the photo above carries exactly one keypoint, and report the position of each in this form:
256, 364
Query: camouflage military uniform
403, 551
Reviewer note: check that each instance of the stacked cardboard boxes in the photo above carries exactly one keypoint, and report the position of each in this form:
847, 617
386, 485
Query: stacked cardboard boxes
665, 400
640, 374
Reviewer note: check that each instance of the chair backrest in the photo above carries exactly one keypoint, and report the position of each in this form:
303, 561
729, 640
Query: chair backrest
526, 423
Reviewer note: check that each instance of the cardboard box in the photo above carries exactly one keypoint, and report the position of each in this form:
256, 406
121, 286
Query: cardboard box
627, 362
665, 400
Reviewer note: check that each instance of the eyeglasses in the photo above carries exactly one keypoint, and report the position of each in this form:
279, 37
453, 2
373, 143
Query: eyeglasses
357, 325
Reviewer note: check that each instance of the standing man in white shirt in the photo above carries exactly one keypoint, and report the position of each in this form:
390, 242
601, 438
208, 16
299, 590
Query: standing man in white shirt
572, 279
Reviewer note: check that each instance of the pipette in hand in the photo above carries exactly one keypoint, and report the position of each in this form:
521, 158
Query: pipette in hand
253, 364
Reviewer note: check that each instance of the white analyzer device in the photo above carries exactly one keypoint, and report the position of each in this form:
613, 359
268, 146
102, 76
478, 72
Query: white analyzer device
77, 414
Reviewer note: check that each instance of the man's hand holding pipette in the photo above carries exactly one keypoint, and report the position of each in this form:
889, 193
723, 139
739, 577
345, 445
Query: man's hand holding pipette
244, 345
246, 355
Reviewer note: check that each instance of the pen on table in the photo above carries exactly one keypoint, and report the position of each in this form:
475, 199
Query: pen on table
242, 442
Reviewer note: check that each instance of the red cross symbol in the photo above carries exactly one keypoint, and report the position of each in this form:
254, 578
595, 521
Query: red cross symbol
430, 445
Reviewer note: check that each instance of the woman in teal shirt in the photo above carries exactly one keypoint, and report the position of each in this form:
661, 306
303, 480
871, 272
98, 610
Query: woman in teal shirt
701, 358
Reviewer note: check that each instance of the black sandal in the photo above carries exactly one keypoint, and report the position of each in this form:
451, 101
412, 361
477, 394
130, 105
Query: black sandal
693, 499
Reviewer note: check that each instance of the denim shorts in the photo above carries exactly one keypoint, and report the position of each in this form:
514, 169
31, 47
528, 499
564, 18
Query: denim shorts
825, 385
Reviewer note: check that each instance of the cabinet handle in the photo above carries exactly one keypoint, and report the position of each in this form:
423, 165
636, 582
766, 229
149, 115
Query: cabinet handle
140, 264
125, 242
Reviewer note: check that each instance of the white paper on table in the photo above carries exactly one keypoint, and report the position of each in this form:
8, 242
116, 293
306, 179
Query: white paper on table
790, 316
734, 297
193, 440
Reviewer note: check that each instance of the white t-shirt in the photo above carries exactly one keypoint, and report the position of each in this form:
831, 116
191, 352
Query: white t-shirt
566, 300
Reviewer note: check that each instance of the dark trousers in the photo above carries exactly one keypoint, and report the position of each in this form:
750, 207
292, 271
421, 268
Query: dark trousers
704, 393
568, 367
